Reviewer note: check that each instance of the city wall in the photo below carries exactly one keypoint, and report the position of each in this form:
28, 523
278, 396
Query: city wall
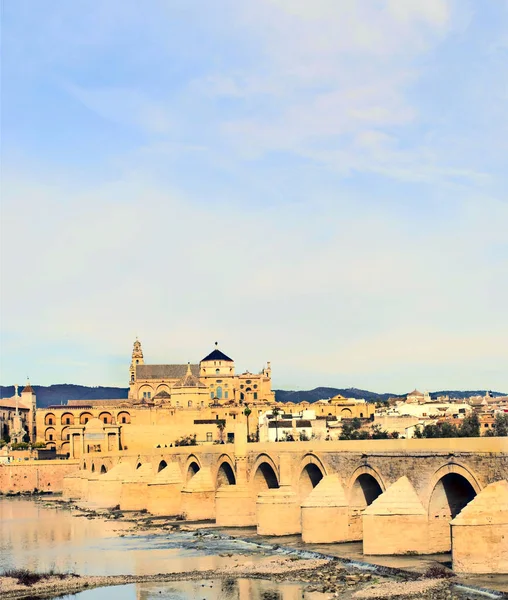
41, 475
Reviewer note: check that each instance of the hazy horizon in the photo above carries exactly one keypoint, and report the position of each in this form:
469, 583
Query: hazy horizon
318, 184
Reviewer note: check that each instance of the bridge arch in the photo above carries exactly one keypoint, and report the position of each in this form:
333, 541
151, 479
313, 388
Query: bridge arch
192, 466
103, 469
264, 474
365, 485
162, 465
225, 471
310, 473
451, 488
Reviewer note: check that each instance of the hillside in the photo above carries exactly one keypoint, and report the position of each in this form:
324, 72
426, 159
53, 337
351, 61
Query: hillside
60, 393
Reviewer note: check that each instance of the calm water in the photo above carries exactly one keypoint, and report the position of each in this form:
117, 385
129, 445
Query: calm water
239, 589
40, 537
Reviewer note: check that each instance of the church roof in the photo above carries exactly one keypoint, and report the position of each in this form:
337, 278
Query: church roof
28, 388
162, 394
164, 371
217, 355
189, 380
415, 393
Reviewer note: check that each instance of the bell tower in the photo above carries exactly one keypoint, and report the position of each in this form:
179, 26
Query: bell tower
137, 359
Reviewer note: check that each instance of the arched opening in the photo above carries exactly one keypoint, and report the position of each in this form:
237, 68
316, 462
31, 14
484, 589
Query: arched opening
138, 465
225, 475
162, 465
84, 466
66, 436
93, 468
50, 419
123, 417
365, 490
103, 469
265, 478
106, 418
218, 392
50, 434
310, 476
346, 413
192, 469
450, 495
67, 419
84, 418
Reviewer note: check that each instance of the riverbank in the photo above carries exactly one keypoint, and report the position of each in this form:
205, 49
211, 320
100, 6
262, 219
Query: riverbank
325, 580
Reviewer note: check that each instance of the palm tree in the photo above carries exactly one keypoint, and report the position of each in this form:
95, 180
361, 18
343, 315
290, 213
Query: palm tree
275, 414
247, 413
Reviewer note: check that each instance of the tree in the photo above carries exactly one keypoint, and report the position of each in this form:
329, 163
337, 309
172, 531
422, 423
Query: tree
470, 426
247, 413
275, 414
500, 427
221, 425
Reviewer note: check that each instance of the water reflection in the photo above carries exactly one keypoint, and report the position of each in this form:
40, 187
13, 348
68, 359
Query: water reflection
38, 537
229, 589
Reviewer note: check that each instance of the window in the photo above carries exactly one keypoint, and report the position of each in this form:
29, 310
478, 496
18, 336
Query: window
255, 395
217, 371
211, 395
50, 437
105, 419
86, 420
209, 437
241, 387
67, 436
226, 394
67, 421
50, 421
361, 415
255, 386
137, 362
124, 420
218, 381
218, 392
189, 403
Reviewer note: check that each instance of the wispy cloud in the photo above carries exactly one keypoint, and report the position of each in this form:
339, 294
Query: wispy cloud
322, 184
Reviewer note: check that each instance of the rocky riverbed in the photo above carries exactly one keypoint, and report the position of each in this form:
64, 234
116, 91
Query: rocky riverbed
202, 553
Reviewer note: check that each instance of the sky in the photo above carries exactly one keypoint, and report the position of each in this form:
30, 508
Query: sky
322, 185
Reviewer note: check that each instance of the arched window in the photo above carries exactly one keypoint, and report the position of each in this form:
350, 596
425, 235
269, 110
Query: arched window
218, 391
217, 371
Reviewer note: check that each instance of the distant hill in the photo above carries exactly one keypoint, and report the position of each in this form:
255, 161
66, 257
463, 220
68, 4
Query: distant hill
321, 393
61, 392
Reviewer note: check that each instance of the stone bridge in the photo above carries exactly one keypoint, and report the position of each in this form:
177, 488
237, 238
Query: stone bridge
398, 496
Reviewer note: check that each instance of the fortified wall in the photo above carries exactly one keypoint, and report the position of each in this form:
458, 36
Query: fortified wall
35, 475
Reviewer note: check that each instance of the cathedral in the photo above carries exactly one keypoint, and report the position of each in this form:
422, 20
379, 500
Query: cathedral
212, 380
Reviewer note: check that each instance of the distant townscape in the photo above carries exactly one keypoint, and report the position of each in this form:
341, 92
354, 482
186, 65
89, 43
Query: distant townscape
190, 404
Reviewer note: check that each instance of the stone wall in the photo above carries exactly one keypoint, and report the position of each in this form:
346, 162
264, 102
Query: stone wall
41, 475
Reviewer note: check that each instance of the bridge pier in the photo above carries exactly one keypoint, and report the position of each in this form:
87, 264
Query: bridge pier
133, 495
480, 532
105, 491
278, 512
396, 522
198, 497
235, 506
325, 513
164, 493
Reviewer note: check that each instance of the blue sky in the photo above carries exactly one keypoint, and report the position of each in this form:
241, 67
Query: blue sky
320, 184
